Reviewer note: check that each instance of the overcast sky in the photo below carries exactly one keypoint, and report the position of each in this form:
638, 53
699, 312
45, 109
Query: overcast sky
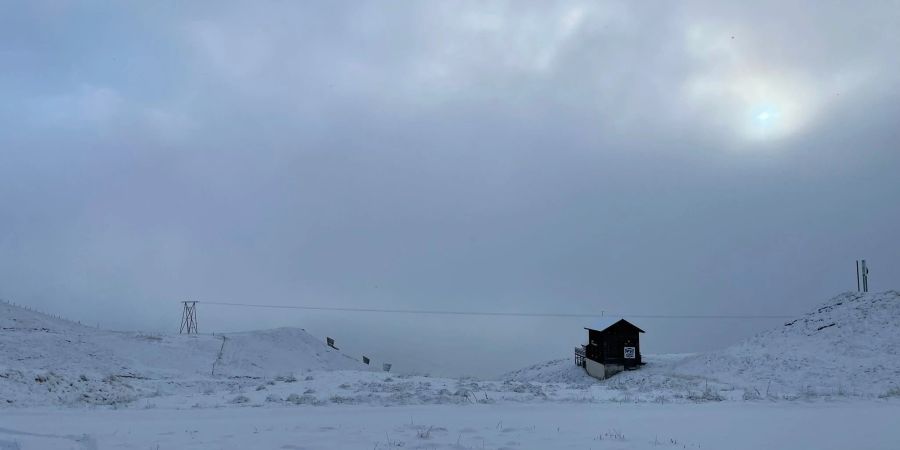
566, 157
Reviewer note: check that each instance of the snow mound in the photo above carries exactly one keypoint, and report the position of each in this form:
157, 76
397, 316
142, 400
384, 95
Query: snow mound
556, 371
48, 360
848, 346
278, 351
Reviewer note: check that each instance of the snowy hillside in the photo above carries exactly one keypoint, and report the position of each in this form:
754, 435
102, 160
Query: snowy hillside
258, 390
44, 359
850, 346
846, 348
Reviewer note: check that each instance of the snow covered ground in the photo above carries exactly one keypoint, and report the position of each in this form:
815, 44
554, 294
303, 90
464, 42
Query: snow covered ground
724, 425
44, 360
848, 347
830, 379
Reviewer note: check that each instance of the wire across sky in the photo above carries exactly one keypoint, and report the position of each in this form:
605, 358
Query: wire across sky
502, 313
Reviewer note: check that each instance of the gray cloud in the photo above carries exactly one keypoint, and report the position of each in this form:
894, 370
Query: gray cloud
544, 156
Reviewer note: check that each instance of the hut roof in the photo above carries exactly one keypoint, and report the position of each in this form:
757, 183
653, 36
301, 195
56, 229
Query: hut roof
605, 322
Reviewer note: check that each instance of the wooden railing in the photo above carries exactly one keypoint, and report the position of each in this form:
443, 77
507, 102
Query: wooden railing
579, 356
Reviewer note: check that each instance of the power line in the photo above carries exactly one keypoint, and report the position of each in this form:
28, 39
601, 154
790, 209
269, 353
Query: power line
506, 314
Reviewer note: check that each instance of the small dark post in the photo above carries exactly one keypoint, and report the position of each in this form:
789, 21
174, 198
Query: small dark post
857, 276
865, 276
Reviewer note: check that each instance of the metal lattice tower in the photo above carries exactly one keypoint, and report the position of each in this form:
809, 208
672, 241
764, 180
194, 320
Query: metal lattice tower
189, 318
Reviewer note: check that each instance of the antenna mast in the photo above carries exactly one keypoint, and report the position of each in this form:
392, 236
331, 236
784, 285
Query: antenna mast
862, 276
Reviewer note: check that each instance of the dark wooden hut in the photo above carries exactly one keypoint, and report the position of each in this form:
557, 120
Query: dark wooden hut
613, 345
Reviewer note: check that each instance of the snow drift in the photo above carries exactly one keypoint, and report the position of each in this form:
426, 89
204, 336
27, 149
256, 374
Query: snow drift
850, 346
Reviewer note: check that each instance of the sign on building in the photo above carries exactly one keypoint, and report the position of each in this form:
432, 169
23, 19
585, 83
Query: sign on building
629, 352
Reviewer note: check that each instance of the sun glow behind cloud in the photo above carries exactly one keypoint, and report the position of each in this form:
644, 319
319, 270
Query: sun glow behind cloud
754, 107
736, 90
768, 108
